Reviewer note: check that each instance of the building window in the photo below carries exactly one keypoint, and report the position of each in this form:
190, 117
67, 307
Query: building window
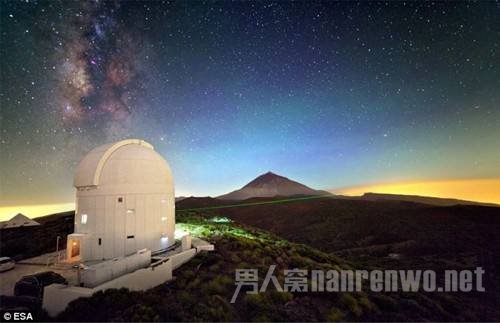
120, 199
83, 219
100, 241
130, 237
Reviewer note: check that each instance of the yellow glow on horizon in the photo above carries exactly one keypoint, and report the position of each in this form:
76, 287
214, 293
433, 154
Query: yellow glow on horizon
33, 211
478, 190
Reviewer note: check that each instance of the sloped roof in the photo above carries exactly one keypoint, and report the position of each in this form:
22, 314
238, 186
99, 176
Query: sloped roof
19, 220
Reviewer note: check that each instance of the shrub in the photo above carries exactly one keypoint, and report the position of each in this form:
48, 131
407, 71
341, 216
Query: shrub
352, 304
367, 304
215, 268
234, 258
385, 303
334, 315
194, 283
185, 298
218, 285
141, 313
256, 302
280, 297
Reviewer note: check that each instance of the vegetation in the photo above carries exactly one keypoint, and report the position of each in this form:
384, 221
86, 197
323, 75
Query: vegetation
26, 242
202, 288
320, 233
259, 201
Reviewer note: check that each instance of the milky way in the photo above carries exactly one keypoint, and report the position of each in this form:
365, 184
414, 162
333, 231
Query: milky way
99, 76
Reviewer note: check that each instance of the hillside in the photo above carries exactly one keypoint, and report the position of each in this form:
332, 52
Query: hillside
198, 202
203, 287
350, 233
270, 185
337, 225
421, 199
26, 242
384, 234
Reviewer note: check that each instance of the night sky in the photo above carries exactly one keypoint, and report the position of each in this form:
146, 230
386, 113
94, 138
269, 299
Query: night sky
329, 94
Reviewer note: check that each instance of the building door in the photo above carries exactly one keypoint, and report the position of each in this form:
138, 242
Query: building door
75, 248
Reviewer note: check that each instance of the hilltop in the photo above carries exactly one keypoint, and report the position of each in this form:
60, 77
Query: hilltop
437, 201
271, 185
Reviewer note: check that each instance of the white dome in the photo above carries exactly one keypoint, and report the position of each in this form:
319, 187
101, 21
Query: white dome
127, 166
124, 202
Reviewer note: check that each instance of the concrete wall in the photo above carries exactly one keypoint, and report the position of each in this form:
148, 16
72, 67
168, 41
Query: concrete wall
186, 242
108, 270
182, 257
57, 297
201, 245
142, 279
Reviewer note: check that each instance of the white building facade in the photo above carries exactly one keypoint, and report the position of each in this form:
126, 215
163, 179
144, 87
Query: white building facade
125, 202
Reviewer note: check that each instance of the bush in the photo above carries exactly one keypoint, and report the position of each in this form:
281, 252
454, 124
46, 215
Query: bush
385, 303
186, 298
102, 306
234, 258
280, 297
334, 315
352, 304
141, 313
260, 307
367, 304
218, 285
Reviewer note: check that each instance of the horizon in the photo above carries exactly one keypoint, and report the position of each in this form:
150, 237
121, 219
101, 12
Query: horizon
472, 190
230, 90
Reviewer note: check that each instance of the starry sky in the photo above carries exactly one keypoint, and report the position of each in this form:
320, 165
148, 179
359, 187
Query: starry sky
329, 94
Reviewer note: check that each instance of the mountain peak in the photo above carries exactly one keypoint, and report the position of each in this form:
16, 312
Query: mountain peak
269, 174
265, 178
270, 185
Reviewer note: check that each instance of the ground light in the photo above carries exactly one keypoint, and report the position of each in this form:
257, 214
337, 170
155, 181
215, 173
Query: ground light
206, 228
220, 219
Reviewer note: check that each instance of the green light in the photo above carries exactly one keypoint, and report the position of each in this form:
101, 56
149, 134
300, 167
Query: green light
220, 219
204, 228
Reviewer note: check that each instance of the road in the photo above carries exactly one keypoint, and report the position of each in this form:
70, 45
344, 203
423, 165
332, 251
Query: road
32, 266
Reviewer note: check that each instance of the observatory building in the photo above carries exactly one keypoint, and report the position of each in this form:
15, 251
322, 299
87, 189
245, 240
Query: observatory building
124, 202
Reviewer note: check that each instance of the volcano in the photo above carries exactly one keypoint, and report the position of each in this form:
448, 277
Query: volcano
270, 185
